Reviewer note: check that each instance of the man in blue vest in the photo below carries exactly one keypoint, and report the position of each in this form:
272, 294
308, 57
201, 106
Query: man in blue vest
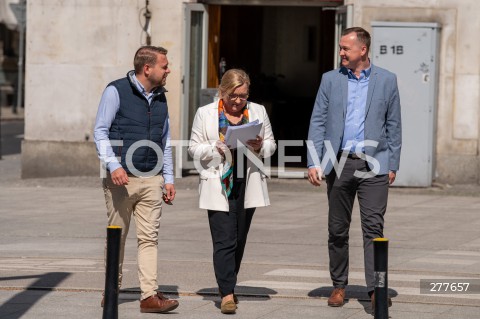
132, 136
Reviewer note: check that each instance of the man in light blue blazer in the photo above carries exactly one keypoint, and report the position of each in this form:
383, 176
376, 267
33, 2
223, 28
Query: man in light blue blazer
355, 140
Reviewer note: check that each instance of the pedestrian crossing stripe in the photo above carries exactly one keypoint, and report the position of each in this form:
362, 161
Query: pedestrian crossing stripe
412, 280
311, 273
443, 261
288, 285
458, 253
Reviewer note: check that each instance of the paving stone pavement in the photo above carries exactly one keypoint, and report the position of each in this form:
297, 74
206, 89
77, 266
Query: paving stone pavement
52, 238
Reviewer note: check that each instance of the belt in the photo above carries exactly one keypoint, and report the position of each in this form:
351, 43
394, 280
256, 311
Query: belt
350, 155
353, 156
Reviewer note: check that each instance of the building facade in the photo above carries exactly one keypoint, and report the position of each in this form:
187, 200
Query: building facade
74, 48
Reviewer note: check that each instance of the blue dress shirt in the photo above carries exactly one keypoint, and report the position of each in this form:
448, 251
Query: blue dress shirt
354, 131
107, 110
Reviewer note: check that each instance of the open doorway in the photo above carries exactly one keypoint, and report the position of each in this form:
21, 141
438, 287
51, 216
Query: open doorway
285, 50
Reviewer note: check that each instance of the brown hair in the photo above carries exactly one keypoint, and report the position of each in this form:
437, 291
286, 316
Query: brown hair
232, 79
146, 55
362, 35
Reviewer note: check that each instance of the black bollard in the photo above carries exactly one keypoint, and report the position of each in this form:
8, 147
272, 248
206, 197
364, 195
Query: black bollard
110, 307
380, 255
0, 128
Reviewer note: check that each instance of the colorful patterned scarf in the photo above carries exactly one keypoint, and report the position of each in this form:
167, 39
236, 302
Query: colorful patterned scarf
228, 167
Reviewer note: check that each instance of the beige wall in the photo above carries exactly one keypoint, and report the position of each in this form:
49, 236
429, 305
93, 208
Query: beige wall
74, 49
458, 113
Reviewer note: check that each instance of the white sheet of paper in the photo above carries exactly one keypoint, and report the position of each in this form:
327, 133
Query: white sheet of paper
242, 133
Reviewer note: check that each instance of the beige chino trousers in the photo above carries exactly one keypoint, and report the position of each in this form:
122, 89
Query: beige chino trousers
142, 198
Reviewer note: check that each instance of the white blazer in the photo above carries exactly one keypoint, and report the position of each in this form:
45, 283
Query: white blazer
202, 149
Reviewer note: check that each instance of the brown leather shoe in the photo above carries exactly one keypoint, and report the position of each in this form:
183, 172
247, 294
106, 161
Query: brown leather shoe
158, 303
337, 297
372, 298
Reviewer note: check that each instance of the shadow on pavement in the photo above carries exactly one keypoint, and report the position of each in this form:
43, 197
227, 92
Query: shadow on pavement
165, 289
132, 294
18, 305
242, 292
169, 290
11, 136
352, 292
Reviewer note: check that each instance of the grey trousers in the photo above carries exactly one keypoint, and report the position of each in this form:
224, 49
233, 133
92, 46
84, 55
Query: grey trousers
372, 198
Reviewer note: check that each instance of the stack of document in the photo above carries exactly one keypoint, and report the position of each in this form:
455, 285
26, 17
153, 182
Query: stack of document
242, 133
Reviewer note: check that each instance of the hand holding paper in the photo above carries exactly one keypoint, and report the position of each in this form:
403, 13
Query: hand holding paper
256, 144
242, 133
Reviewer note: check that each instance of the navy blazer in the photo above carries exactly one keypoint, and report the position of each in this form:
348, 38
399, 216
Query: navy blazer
382, 121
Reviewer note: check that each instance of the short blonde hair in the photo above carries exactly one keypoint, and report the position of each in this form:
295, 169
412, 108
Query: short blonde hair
231, 80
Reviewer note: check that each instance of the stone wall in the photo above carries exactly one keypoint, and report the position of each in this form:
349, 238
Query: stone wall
74, 49
458, 116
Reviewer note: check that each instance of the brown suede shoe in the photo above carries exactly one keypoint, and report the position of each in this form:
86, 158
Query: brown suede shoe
234, 296
228, 307
157, 303
337, 297
372, 298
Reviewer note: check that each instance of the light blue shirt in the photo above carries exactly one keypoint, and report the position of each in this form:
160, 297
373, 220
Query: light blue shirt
107, 110
354, 131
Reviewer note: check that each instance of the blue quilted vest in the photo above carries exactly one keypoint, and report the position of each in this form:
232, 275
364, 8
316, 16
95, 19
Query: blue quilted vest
136, 120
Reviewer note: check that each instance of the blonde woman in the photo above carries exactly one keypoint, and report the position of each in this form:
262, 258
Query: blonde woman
229, 190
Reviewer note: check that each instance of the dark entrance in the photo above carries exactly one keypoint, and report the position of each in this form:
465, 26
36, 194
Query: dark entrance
285, 50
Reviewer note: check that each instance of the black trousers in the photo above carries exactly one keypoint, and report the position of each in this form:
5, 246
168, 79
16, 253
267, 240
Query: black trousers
372, 198
229, 232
